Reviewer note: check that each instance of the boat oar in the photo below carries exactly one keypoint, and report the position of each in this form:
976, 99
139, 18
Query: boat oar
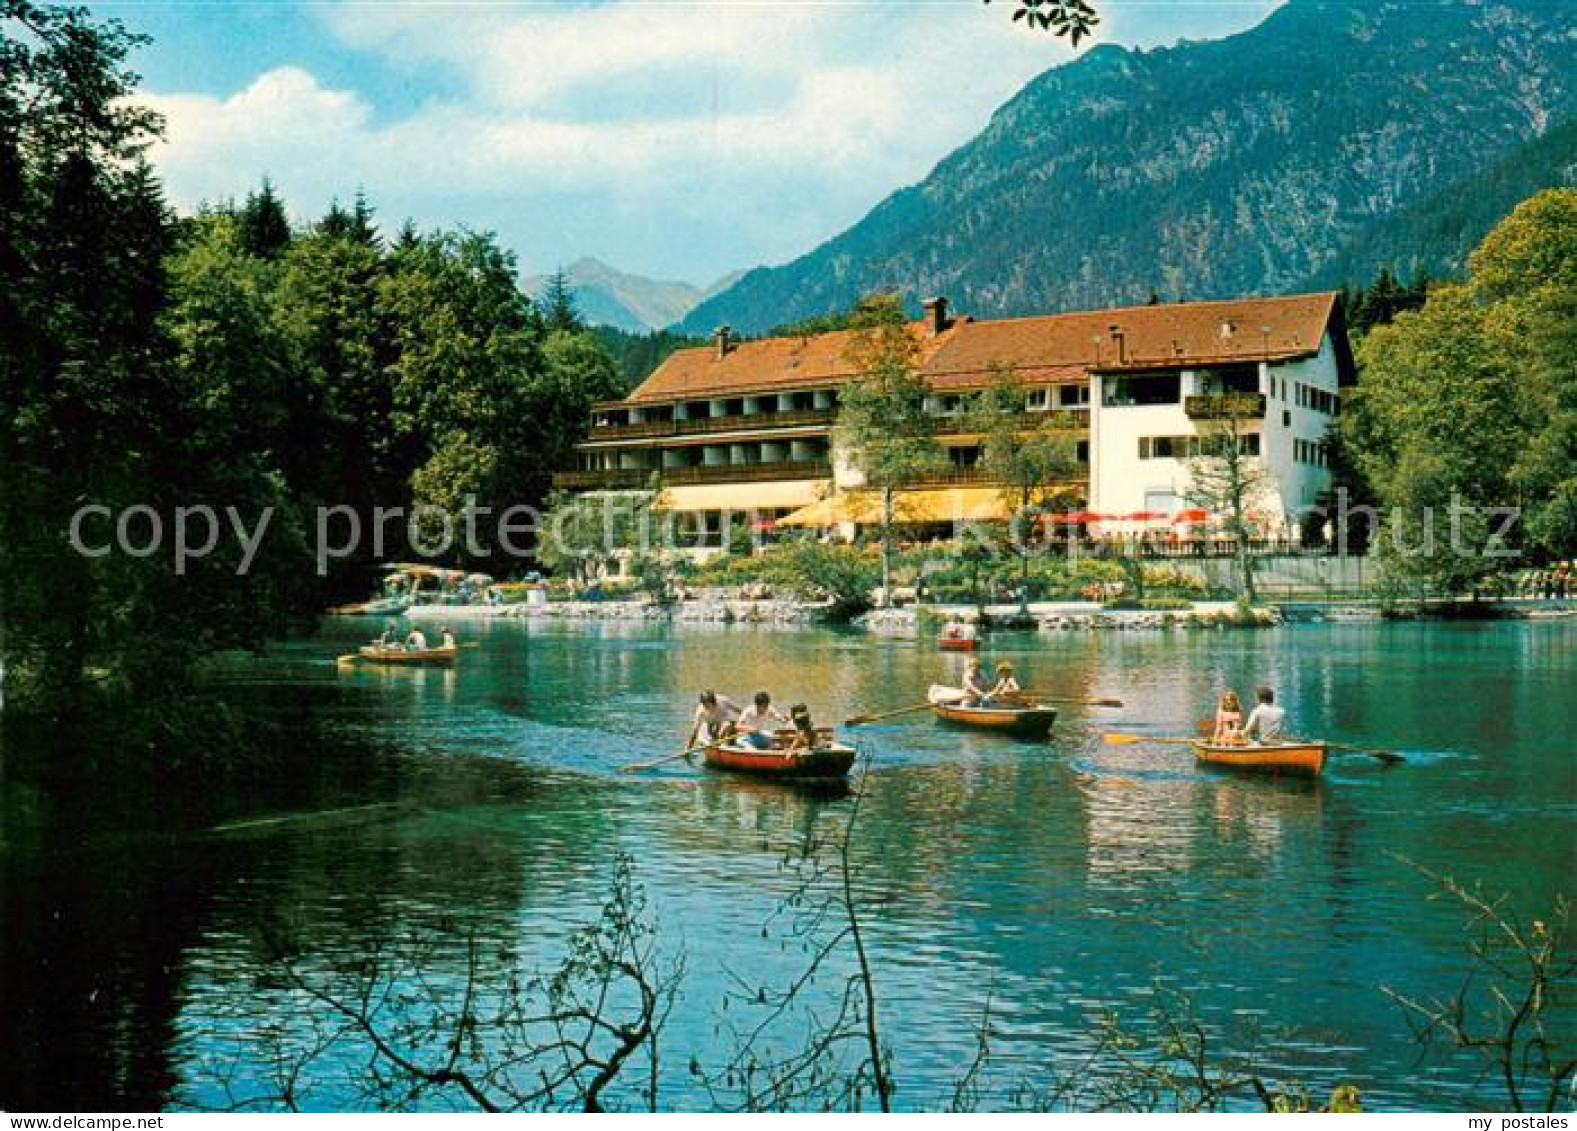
1081, 700
635, 767
1134, 739
1389, 757
868, 718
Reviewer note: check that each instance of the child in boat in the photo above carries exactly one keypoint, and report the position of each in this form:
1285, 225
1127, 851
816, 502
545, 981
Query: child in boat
1007, 685
755, 723
416, 641
1266, 722
715, 716
804, 729
1229, 719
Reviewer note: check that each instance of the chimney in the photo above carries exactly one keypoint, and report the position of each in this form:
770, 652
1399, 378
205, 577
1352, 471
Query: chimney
1116, 332
724, 337
936, 319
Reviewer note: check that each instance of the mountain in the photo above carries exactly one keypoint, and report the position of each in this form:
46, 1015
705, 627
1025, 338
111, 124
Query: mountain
606, 296
1436, 234
1207, 169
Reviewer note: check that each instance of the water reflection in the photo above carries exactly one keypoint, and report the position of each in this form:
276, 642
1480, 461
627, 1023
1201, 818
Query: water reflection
1058, 879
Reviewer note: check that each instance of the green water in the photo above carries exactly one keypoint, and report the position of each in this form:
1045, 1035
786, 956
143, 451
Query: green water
1059, 880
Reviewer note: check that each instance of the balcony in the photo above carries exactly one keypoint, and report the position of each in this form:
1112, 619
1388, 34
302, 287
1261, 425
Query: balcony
956, 477
1225, 406
800, 418
643, 431
748, 472
603, 479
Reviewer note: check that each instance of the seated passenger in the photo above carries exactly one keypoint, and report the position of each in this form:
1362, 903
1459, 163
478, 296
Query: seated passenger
1229, 719
756, 722
976, 688
804, 729
416, 641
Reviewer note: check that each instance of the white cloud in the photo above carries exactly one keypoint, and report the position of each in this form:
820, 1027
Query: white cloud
668, 137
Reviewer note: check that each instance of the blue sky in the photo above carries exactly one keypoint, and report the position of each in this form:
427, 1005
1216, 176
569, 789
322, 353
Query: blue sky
676, 138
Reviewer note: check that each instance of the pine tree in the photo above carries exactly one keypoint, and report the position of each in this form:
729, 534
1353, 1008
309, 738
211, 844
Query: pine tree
264, 227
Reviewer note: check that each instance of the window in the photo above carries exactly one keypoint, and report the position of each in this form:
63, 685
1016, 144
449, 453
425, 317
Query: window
1150, 389
1081, 451
1230, 378
1073, 396
1163, 447
1037, 400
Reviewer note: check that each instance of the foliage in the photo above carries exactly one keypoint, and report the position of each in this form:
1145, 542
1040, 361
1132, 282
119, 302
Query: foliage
1228, 479
844, 575
557, 303
1035, 462
503, 1038
883, 428
1382, 300
582, 535
879, 308
1514, 1004
637, 356
1074, 19
1469, 406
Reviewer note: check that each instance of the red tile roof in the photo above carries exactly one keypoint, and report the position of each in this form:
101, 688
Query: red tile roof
1043, 349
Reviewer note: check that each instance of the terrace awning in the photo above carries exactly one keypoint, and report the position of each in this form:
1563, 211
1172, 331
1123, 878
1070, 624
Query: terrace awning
922, 506
741, 498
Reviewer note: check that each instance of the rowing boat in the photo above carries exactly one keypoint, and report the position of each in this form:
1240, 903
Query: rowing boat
955, 643
1303, 758
372, 654
828, 760
1025, 720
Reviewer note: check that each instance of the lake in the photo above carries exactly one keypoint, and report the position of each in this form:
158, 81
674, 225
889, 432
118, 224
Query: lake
1046, 885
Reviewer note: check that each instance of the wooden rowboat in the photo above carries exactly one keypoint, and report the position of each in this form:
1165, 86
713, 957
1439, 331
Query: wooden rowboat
827, 761
372, 654
956, 643
1306, 759
1023, 720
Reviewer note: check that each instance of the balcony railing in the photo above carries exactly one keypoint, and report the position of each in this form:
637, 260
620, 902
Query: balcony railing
641, 431
1224, 406
955, 476
749, 472
798, 418
603, 479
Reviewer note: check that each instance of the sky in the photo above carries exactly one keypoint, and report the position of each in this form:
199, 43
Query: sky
679, 139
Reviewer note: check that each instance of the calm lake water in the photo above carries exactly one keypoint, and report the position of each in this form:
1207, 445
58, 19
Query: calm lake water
1055, 880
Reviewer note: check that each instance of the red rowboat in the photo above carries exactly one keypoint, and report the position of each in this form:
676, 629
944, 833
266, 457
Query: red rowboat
828, 760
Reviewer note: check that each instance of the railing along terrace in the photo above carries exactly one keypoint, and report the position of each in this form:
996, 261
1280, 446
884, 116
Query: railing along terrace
748, 472
798, 418
603, 478
1224, 406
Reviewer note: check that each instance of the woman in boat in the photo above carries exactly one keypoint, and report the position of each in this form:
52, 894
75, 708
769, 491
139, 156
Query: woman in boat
1007, 685
715, 717
755, 722
446, 638
1229, 719
976, 688
416, 641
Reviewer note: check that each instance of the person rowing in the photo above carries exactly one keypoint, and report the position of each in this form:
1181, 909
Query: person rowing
1267, 723
755, 723
715, 718
1007, 685
390, 640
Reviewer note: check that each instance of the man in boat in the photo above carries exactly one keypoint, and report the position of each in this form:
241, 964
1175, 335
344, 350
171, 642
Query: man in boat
755, 724
416, 641
390, 640
1267, 723
715, 718
1007, 685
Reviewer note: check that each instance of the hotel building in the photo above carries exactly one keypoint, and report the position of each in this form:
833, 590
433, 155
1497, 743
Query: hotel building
747, 426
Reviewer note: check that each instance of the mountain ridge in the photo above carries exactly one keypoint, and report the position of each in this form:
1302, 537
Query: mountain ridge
607, 296
1206, 169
